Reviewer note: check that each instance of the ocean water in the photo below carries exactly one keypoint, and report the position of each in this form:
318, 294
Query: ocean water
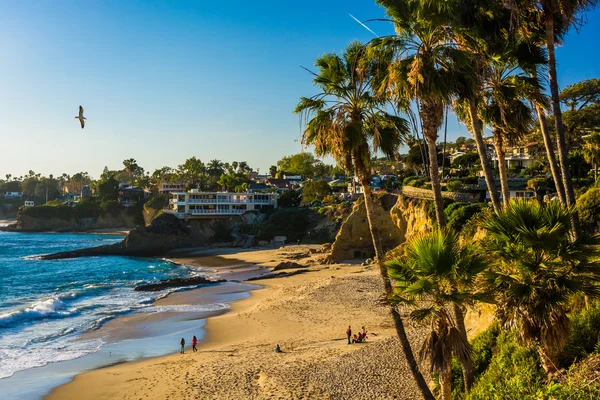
45, 306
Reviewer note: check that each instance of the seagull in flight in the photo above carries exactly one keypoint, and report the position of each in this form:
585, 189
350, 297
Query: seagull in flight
81, 117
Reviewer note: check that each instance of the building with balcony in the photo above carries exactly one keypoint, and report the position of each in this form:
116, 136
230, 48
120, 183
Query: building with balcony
197, 204
520, 156
170, 187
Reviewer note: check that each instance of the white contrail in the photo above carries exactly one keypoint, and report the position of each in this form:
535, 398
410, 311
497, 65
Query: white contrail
363, 25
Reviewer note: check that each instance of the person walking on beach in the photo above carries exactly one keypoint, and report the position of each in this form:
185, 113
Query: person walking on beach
349, 334
194, 343
182, 343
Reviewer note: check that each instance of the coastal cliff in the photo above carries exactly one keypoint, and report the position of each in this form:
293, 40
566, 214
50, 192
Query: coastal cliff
396, 219
164, 233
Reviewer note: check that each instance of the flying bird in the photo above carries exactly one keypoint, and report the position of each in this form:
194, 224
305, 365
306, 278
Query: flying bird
81, 117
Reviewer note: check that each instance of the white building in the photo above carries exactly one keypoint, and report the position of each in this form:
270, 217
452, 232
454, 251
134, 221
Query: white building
13, 195
29, 203
521, 157
195, 203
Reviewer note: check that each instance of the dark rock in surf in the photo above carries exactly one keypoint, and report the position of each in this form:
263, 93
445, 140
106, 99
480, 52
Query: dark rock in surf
176, 282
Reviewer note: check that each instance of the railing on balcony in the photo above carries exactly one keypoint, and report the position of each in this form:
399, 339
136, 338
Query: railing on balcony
215, 211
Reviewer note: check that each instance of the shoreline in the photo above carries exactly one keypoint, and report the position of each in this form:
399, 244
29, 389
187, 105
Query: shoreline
306, 314
179, 310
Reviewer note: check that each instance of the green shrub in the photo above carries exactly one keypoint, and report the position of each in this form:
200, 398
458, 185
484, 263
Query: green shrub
315, 191
408, 179
289, 199
513, 373
584, 336
112, 207
461, 215
455, 186
588, 205
482, 351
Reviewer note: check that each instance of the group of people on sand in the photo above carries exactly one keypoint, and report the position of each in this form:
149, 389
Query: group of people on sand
361, 337
182, 343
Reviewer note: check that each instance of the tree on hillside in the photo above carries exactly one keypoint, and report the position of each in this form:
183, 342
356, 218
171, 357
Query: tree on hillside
315, 191
466, 162
583, 101
192, 173
504, 108
436, 275
78, 181
107, 188
429, 71
273, 171
28, 185
591, 151
348, 121
537, 269
133, 170
299, 164
46, 189
557, 16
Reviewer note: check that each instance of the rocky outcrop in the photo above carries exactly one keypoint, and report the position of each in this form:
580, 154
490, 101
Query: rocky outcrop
176, 282
396, 219
26, 223
165, 233
153, 207
288, 265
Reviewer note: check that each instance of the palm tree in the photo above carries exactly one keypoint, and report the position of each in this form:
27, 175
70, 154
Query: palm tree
536, 271
436, 275
556, 16
429, 69
348, 121
591, 151
505, 111
215, 168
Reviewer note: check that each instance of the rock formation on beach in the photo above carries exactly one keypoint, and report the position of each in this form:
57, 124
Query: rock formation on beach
395, 217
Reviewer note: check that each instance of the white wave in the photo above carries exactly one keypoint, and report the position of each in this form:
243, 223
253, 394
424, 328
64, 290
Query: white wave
52, 307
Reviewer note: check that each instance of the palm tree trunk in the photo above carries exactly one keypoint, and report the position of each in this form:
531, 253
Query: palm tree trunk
435, 183
446, 383
549, 361
560, 128
398, 323
477, 132
502, 168
595, 172
466, 365
560, 189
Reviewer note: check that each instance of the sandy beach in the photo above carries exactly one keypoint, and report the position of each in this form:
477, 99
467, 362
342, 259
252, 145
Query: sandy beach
306, 314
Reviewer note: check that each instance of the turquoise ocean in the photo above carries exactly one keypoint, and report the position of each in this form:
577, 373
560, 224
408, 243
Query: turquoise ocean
46, 306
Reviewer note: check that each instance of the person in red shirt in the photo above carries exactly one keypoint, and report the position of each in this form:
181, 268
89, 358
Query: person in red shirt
194, 342
349, 334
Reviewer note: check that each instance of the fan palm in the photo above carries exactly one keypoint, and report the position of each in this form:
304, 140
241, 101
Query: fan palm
536, 271
556, 16
591, 151
348, 121
505, 111
437, 274
428, 69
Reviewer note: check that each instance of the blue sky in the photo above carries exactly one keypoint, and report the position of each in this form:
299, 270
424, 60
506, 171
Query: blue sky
164, 81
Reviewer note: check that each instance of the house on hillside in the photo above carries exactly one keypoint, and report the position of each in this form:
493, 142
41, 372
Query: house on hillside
519, 156
376, 184
13, 195
280, 184
295, 180
259, 187
86, 191
168, 187
129, 195
197, 204
517, 188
